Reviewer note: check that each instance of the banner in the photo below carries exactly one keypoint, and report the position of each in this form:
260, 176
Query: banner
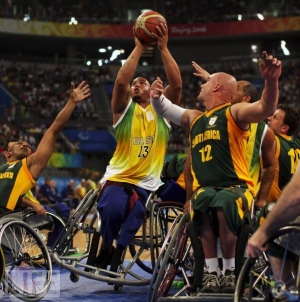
124, 31
65, 160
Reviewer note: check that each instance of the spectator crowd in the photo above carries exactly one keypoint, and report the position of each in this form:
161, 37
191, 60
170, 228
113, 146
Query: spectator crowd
41, 92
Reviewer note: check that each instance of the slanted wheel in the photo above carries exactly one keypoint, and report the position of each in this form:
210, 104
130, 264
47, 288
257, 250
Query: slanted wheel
75, 222
272, 277
163, 215
28, 268
148, 242
171, 257
2, 264
49, 227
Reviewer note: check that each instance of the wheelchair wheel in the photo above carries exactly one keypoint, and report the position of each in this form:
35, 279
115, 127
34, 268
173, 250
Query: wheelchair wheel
75, 222
162, 217
173, 255
149, 240
49, 227
139, 248
28, 268
240, 248
2, 264
276, 277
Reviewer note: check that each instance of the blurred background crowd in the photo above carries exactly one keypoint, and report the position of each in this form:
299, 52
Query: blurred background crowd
38, 90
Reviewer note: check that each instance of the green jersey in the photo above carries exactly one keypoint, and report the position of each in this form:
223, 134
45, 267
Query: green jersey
287, 157
15, 181
218, 149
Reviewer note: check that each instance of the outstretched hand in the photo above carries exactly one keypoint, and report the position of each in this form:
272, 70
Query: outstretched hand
270, 67
156, 88
79, 93
200, 72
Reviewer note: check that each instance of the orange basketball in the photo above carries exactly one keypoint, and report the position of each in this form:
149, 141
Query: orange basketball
145, 24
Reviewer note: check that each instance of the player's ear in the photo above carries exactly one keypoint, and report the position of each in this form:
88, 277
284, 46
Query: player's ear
217, 87
247, 98
7, 154
285, 128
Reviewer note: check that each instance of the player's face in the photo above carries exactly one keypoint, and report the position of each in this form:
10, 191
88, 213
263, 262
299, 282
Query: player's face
240, 94
206, 90
276, 121
18, 150
140, 89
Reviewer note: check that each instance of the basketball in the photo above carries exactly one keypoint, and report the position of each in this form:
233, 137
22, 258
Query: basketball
145, 24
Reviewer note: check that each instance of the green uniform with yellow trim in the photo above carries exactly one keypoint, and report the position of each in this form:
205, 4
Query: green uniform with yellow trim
15, 181
287, 157
218, 149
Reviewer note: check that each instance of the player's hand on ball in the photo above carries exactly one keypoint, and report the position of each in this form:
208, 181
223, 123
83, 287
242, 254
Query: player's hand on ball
161, 36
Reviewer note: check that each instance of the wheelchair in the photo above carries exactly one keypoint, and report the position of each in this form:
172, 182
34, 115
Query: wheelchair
143, 249
2, 264
180, 266
47, 228
25, 259
275, 275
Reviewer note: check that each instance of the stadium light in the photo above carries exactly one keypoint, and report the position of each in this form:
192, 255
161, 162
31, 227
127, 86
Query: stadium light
260, 16
286, 52
73, 21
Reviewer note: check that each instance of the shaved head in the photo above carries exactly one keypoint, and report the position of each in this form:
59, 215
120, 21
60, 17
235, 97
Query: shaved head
220, 86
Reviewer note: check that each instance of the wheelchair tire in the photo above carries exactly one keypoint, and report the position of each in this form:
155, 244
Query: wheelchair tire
154, 233
2, 264
256, 279
26, 258
75, 222
59, 224
169, 260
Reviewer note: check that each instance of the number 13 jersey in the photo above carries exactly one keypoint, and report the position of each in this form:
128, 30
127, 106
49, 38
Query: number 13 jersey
142, 138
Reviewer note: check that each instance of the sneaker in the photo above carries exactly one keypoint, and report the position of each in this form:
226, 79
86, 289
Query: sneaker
210, 283
104, 258
227, 282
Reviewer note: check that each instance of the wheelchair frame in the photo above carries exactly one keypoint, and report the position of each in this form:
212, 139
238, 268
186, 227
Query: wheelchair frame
144, 247
175, 262
26, 257
29, 222
257, 281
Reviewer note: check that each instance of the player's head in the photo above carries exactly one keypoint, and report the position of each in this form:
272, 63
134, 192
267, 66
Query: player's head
246, 92
140, 90
220, 87
16, 149
285, 120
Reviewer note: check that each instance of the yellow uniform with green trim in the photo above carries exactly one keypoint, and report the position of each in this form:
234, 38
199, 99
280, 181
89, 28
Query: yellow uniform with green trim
253, 151
218, 148
287, 157
142, 138
15, 181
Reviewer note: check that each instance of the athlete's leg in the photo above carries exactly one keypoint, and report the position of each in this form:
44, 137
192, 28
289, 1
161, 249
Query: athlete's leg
112, 207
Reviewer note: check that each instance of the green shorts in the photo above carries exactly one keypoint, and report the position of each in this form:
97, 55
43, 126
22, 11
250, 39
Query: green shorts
207, 199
